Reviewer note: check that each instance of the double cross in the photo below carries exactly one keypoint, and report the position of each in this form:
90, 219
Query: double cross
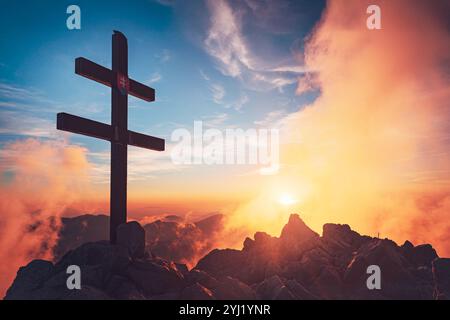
117, 133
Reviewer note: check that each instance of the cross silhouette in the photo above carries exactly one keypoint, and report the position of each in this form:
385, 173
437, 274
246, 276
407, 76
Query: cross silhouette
117, 133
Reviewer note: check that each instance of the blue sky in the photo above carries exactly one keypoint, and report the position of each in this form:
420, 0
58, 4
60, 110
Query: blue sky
229, 63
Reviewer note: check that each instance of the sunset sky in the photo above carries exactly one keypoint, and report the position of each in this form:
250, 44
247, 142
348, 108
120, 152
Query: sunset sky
230, 78
363, 114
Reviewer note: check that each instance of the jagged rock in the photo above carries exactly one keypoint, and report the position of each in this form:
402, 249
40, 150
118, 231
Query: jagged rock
182, 268
398, 279
356, 270
232, 289
299, 291
155, 278
341, 240
132, 236
29, 279
296, 231
441, 276
328, 284
297, 265
120, 287
274, 288
407, 245
107, 271
196, 292
296, 238
249, 244
308, 266
340, 233
219, 263
201, 277
86, 293
422, 255
112, 257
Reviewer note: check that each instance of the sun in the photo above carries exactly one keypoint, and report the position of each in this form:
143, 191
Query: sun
287, 199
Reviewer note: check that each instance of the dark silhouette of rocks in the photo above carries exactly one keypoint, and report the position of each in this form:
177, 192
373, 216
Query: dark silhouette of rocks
333, 266
298, 265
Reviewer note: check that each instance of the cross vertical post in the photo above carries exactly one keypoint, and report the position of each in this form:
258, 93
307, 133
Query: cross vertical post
119, 122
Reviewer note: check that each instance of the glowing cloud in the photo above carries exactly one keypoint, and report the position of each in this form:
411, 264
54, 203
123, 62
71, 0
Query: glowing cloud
38, 181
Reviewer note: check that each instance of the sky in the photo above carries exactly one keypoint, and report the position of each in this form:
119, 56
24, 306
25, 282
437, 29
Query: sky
243, 64
363, 114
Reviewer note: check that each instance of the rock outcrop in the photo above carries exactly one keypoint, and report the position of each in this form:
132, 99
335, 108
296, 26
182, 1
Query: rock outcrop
298, 265
333, 266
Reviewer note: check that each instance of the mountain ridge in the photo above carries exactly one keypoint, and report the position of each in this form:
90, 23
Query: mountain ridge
299, 264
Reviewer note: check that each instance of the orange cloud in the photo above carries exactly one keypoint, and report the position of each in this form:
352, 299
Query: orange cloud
376, 140
373, 149
38, 182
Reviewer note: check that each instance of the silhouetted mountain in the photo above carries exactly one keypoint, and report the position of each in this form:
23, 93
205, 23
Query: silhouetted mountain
169, 238
299, 264
78, 230
183, 242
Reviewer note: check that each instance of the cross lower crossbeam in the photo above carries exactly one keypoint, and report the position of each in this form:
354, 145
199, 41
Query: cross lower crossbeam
99, 130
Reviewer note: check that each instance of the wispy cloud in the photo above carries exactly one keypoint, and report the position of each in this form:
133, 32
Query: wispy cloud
143, 164
23, 124
226, 43
215, 120
218, 93
204, 75
164, 56
20, 93
27, 111
272, 119
239, 103
155, 77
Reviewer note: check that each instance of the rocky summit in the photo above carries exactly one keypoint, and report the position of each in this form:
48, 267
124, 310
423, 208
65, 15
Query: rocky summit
300, 264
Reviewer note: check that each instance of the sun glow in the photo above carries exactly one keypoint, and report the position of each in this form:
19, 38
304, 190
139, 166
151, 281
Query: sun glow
287, 199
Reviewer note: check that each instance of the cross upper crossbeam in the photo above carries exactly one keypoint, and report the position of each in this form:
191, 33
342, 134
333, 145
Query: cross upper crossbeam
96, 72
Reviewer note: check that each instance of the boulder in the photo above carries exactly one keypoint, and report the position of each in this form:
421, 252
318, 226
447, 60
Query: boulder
328, 284
421, 255
296, 231
132, 236
196, 292
29, 279
273, 288
296, 238
155, 277
232, 289
299, 291
342, 240
201, 277
441, 276
119, 287
220, 263
112, 257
